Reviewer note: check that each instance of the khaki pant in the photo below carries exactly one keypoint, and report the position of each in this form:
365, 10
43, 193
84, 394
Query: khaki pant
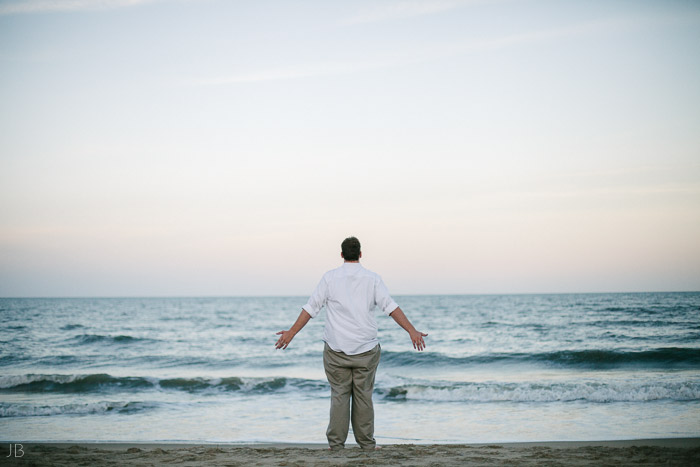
351, 377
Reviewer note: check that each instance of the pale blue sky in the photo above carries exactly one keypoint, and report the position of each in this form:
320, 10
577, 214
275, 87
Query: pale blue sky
210, 147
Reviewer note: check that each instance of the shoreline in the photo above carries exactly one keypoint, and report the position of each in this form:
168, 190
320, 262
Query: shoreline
658, 442
657, 451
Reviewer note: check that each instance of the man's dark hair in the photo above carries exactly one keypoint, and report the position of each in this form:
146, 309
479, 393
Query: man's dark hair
351, 249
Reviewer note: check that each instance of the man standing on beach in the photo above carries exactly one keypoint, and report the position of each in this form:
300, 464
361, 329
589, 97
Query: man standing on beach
351, 353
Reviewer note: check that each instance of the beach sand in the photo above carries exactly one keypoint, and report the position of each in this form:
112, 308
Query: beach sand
676, 451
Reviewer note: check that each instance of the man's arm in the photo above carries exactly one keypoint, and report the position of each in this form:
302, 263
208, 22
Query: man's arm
416, 336
287, 336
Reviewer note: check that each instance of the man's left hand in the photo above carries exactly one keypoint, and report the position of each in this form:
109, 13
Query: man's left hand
284, 340
417, 339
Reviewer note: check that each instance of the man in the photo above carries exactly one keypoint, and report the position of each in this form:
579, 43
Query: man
351, 353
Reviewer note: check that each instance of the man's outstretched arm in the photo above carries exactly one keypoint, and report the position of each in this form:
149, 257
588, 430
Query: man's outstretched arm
416, 336
287, 336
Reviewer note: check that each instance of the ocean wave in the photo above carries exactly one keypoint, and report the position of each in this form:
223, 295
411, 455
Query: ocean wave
85, 356
70, 383
656, 358
27, 410
104, 383
102, 339
443, 391
670, 357
550, 392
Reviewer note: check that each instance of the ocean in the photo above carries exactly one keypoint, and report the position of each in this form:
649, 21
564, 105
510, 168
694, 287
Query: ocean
497, 368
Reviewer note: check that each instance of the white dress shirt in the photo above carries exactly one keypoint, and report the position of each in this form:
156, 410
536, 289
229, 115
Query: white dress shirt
350, 294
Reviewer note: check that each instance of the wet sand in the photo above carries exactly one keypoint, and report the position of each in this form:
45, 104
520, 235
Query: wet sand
675, 451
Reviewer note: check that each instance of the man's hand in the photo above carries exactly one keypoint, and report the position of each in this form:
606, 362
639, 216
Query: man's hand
284, 340
417, 339
287, 336
416, 336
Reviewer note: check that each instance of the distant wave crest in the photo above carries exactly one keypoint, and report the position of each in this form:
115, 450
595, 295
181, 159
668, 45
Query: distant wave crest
670, 357
95, 383
85, 339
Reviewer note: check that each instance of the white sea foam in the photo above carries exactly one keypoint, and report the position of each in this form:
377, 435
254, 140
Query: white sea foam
30, 410
559, 392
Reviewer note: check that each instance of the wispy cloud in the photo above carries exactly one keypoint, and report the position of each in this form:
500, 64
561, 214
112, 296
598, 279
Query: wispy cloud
415, 56
44, 6
395, 9
293, 72
531, 37
400, 9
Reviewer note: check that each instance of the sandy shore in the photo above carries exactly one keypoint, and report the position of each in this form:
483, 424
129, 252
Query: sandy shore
676, 451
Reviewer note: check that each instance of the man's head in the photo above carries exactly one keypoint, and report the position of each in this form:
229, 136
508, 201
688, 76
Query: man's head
351, 249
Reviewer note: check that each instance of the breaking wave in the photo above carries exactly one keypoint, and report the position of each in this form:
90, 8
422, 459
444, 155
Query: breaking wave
669, 357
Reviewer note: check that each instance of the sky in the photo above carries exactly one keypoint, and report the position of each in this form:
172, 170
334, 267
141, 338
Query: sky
227, 147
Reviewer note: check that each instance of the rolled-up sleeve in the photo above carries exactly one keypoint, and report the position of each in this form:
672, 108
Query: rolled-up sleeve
317, 299
382, 297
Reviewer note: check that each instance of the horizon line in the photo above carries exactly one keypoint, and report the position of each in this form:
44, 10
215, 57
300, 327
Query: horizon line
293, 295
